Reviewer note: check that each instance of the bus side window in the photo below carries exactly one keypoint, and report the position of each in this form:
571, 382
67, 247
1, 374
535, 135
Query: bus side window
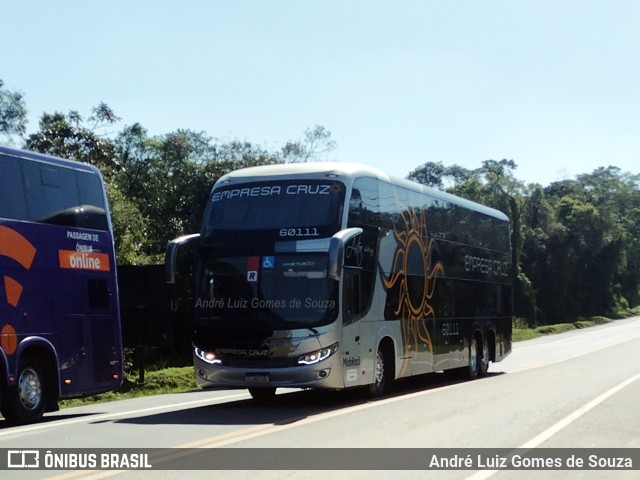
12, 196
63, 196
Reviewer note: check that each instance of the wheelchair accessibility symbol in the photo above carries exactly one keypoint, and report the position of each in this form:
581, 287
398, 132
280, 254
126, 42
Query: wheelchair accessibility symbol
268, 262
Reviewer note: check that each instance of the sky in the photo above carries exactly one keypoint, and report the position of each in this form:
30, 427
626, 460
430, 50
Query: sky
553, 85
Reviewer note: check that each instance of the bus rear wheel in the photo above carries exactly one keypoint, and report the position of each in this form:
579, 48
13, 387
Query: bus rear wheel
484, 360
25, 402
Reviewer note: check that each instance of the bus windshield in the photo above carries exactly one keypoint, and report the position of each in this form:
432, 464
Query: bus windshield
274, 292
251, 274
308, 208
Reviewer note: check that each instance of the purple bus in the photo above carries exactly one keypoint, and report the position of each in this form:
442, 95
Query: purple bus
59, 314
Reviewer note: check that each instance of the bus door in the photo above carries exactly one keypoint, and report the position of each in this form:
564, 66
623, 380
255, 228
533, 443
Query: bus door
357, 290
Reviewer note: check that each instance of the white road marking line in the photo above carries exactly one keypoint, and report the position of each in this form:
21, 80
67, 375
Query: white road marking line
565, 422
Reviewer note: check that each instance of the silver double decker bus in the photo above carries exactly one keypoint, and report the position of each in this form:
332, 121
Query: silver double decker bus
336, 275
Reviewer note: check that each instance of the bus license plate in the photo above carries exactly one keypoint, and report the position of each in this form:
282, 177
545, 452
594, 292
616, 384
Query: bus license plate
257, 378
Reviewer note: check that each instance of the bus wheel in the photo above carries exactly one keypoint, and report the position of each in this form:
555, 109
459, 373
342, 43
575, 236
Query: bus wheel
473, 370
484, 360
25, 402
381, 379
263, 396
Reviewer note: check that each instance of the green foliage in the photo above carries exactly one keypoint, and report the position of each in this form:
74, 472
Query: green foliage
431, 174
166, 181
130, 229
13, 112
317, 142
156, 382
67, 136
521, 332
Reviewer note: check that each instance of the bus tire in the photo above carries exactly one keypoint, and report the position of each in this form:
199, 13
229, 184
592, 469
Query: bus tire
26, 401
382, 373
483, 361
475, 359
263, 396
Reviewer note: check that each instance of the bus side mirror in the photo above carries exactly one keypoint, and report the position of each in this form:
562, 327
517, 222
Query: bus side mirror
337, 246
171, 255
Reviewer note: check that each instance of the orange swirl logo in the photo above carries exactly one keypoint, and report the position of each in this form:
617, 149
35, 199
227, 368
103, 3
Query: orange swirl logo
16, 247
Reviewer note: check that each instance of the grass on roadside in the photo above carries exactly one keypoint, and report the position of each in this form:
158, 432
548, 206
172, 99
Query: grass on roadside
156, 382
520, 334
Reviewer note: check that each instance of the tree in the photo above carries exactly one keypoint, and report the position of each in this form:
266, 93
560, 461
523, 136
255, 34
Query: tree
164, 179
315, 145
431, 174
68, 136
538, 225
435, 174
581, 248
13, 112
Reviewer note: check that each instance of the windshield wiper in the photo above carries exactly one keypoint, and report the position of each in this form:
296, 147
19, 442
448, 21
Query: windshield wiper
292, 325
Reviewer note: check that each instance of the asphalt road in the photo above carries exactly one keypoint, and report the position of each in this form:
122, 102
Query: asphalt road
574, 390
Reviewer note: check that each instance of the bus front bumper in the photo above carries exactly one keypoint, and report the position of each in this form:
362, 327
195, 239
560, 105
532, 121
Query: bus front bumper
324, 374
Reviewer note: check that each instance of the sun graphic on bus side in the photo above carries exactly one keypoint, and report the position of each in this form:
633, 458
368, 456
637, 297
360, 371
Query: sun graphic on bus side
413, 277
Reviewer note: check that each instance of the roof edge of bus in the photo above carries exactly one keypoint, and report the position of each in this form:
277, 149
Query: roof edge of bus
353, 169
281, 169
45, 157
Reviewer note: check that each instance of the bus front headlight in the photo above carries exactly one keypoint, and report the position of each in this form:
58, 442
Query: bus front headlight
206, 356
318, 355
